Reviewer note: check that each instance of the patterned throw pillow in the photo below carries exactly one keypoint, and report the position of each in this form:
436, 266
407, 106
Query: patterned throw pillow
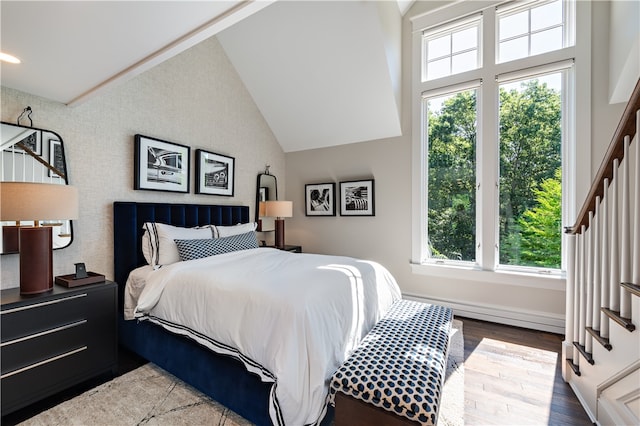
196, 249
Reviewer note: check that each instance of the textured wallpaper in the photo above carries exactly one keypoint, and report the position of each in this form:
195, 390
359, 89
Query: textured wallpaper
195, 99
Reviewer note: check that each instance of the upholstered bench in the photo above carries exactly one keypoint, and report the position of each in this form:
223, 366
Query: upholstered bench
396, 375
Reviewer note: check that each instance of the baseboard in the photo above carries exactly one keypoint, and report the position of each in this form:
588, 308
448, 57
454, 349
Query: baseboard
499, 314
583, 402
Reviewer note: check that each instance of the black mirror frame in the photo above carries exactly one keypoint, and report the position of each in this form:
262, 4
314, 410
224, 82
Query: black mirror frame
258, 186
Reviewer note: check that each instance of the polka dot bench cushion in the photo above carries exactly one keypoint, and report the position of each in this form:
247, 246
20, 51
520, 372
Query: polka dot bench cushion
401, 363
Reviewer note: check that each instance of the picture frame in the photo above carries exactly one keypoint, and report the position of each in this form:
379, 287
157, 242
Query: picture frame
264, 193
215, 173
357, 198
161, 165
320, 199
33, 141
56, 158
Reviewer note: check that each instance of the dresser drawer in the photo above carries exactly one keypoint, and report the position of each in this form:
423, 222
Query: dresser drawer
29, 350
31, 384
37, 317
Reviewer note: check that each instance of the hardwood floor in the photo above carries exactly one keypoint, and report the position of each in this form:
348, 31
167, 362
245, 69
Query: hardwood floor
512, 376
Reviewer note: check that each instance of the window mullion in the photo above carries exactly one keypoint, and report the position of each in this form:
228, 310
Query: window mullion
487, 222
488, 170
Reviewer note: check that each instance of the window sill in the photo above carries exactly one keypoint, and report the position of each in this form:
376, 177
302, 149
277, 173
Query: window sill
511, 278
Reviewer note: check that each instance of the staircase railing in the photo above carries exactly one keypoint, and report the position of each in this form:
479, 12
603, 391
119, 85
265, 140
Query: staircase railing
604, 245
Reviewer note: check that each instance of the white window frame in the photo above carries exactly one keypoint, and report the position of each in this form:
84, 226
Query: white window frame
576, 164
470, 22
511, 8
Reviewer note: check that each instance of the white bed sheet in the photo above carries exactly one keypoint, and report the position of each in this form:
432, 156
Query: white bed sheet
298, 315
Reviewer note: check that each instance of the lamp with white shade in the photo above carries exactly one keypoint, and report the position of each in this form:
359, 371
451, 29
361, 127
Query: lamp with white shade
26, 201
279, 210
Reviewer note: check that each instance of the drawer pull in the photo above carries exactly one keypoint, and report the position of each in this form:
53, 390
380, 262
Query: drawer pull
46, 361
43, 333
37, 305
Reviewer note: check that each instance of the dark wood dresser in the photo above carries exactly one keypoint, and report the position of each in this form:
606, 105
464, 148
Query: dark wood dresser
291, 248
52, 341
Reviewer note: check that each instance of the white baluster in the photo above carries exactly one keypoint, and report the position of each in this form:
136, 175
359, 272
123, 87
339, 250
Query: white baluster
576, 298
588, 302
570, 297
582, 285
614, 272
636, 209
570, 313
597, 279
604, 293
625, 235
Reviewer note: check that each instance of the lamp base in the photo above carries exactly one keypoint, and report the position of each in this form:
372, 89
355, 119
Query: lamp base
36, 259
10, 239
279, 233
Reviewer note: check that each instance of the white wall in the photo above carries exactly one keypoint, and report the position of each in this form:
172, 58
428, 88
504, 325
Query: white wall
195, 99
624, 48
387, 236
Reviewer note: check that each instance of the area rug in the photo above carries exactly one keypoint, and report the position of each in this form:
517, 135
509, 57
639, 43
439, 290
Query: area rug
149, 395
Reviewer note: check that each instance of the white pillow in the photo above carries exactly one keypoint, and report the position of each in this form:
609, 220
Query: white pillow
228, 231
158, 245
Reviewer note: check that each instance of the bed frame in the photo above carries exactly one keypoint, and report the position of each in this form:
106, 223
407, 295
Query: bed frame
221, 377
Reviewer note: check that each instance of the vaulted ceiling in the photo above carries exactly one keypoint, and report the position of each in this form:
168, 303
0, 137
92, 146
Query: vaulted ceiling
322, 72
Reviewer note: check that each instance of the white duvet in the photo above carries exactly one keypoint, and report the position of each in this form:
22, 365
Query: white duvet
298, 316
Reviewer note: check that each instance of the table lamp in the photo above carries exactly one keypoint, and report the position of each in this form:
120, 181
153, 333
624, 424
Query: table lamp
26, 201
279, 210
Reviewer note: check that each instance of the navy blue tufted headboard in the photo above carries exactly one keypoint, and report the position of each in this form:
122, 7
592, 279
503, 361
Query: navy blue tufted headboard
128, 218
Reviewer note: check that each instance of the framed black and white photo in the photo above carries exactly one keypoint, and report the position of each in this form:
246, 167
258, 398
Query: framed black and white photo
31, 138
320, 199
214, 173
357, 198
161, 165
56, 158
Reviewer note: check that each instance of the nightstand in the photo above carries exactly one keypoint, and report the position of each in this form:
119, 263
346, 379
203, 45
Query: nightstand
292, 249
55, 340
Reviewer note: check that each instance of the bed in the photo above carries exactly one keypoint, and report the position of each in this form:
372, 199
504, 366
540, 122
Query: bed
262, 391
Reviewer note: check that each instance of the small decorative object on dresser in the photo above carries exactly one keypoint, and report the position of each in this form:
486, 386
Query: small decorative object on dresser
71, 280
214, 173
320, 199
357, 198
55, 340
160, 165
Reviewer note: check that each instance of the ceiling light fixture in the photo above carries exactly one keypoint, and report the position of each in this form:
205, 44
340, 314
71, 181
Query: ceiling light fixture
9, 58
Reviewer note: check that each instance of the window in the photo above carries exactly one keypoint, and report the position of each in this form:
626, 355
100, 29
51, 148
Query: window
495, 148
451, 49
530, 135
531, 29
451, 158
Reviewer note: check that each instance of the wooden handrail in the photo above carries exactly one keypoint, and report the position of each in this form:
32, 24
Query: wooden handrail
627, 126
